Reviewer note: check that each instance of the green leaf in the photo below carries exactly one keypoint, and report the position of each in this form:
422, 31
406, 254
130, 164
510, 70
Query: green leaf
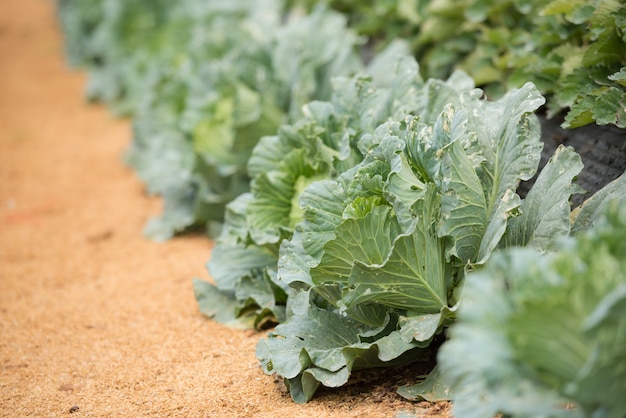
213, 136
323, 204
162, 159
294, 263
545, 212
178, 214
254, 290
421, 327
611, 308
478, 388
584, 216
620, 77
232, 261
580, 114
508, 136
247, 105
273, 191
463, 204
404, 185
267, 155
304, 64
609, 107
413, 276
318, 346
218, 305
432, 389
576, 11
367, 240
536, 333
559, 7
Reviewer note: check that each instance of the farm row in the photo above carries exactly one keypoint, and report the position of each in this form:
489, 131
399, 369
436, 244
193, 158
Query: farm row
359, 168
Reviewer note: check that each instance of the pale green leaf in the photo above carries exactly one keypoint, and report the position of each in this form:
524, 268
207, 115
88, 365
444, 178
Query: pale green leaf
323, 204
545, 212
610, 107
218, 305
584, 216
319, 346
231, 261
432, 389
508, 136
414, 276
267, 155
543, 335
619, 77
178, 213
273, 191
463, 204
367, 240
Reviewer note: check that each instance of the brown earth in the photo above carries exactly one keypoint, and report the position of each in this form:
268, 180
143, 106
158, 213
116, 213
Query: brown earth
96, 321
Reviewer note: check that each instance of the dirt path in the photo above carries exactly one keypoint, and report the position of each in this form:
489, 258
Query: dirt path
94, 320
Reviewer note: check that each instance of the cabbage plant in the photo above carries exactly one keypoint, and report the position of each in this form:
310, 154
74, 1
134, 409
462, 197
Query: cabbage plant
239, 77
321, 145
544, 335
381, 248
359, 233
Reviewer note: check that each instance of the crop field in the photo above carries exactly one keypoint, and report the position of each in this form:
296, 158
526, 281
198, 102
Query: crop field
292, 208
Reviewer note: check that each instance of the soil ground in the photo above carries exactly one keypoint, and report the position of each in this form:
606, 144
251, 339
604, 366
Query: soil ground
96, 321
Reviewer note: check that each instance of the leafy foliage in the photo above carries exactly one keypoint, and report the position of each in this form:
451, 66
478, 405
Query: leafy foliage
205, 83
321, 145
386, 245
206, 79
200, 115
118, 42
256, 222
538, 332
572, 50
429, 197
369, 230
363, 198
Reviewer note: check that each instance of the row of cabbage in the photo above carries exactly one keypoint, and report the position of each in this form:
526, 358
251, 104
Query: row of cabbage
222, 74
203, 81
370, 216
357, 204
572, 50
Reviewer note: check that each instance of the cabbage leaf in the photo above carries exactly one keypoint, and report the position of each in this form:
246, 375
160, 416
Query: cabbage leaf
544, 334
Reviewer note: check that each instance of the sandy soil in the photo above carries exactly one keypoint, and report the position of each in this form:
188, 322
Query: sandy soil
96, 321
